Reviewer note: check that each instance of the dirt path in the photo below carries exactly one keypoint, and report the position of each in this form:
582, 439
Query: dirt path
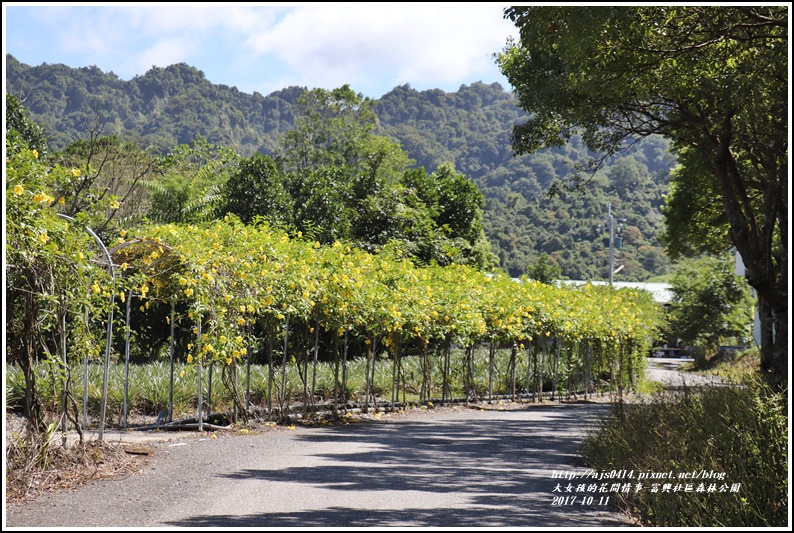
458, 468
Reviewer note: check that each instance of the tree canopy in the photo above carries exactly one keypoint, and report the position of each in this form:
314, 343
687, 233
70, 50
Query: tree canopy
709, 302
712, 79
469, 128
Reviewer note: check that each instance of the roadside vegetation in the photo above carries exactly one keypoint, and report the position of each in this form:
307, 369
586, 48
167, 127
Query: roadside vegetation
738, 431
341, 272
511, 377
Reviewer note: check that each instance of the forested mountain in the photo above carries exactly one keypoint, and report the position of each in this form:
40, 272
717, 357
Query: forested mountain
471, 128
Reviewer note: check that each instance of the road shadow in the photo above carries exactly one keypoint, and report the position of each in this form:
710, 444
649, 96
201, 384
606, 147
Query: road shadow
502, 463
508, 516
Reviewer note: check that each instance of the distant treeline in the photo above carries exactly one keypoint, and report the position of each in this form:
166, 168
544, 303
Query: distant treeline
470, 128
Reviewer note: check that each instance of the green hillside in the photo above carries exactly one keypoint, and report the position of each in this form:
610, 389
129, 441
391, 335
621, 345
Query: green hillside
471, 128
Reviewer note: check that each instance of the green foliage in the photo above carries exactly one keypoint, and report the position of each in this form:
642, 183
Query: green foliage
695, 219
472, 129
21, 132
469, 129
148, 385
709, 303
544, 270
739, 432
330, 129
50, 274
257, 188
712, 80
188, 186
111, 172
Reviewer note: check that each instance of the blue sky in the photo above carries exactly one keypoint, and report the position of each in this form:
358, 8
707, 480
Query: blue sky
265, 47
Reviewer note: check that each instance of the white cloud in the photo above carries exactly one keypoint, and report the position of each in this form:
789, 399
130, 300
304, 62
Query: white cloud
399, 43
267, 47
164, 53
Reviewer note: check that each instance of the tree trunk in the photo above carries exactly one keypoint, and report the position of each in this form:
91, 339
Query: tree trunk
33, 409
753, 239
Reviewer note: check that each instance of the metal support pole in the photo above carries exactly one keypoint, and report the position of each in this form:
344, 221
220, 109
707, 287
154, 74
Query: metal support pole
109, 336
171, 362
127, 359
610, 221
85, 378
198, 364
65, 369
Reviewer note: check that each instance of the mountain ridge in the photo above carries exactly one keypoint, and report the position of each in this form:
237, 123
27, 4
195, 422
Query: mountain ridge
471, 128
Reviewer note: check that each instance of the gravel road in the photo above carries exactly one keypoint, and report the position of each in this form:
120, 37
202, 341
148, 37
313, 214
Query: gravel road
453, 468
667, 371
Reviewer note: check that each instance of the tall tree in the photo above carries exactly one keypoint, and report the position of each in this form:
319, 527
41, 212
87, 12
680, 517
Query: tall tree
257, 188
21, 132
544, 270
111, 171
709, 302
330, 127
712, 79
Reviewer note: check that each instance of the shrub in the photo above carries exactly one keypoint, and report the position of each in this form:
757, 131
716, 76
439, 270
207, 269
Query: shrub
741, 430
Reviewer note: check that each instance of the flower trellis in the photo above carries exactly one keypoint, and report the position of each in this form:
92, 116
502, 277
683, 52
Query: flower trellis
253, 286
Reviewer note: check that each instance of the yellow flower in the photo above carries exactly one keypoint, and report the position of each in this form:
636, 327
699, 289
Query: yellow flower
114, 204
123, 233
188, 292
121, 295
36, 154
18, 189
239, 339
142, 309
190, 346
222, 338
228, 360
195, 331
61, 201
96, 288
189, 358
124, 266
43, 238
76, 172
241, 321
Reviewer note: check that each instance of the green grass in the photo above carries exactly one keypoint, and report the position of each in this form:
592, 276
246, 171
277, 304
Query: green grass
648, 387
148, 386
739, 430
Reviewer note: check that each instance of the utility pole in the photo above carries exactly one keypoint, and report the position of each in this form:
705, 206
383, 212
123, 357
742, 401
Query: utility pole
613, 240
611, 223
